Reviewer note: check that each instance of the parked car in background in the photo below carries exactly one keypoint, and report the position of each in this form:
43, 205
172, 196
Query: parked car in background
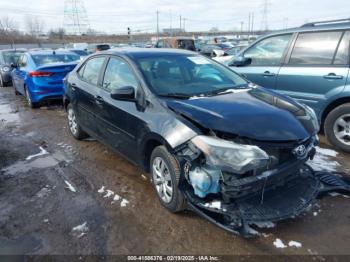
77, 46
81, 53
186, 43
229, 54
38, 75
310, 64
7, 58
211, 140
93, 48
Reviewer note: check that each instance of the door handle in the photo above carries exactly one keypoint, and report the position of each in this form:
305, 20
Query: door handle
333, 76
267, 73
99, 100
73, 86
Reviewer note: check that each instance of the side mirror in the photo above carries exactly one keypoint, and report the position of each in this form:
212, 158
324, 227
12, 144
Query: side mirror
13, 65
241, 61
126, 93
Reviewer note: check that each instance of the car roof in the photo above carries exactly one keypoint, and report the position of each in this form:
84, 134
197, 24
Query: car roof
313, 27
14, 50
142, 52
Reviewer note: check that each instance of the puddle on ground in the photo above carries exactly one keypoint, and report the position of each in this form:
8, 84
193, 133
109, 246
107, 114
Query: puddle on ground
38, 163
7, 114
25, 244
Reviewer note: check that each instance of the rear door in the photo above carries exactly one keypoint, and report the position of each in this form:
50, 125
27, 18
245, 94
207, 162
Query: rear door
86, 91
316, 68
267, 56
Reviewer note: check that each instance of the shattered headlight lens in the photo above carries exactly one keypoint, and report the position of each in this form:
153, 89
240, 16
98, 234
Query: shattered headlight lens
230, 156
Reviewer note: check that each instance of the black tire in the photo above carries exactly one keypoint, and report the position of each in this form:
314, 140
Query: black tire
330, 131
2, 84
76, 131
177, 202
29, 100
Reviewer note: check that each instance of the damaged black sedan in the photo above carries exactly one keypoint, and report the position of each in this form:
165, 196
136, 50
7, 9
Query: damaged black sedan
233, 152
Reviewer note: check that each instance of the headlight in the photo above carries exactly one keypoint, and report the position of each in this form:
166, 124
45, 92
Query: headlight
229, 156
313, 118
6, 69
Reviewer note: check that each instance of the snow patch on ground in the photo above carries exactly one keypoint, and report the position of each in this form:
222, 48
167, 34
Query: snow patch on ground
124, 203
294, 244
108, 194
279, 244
41, 153
323, 161
80, 230
101, 190
69, 186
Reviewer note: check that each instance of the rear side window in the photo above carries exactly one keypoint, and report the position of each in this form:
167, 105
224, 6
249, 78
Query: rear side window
342, 56
91, 70
269, 51
315, 48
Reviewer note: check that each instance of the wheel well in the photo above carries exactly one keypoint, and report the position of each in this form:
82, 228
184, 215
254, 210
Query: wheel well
333, 105
149, 146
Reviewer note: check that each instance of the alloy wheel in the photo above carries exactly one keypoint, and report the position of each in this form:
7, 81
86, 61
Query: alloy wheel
162, 179
341, 129
72, 121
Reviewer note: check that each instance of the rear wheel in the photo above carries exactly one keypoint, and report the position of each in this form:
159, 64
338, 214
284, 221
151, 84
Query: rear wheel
165, 176
74, 127
337, 127
1, 81
29, 100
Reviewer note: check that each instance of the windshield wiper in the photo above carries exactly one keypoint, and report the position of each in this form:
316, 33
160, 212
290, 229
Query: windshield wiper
176, 95
223, 90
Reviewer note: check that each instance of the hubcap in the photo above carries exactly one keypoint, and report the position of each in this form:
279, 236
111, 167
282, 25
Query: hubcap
341, 129
72, 121
162, 179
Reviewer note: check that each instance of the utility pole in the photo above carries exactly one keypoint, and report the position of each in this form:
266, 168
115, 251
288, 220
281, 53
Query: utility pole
157, 25
180, 24
265, 11
185, 24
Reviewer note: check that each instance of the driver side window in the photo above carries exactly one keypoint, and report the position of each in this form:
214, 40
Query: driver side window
118, 74
268, 52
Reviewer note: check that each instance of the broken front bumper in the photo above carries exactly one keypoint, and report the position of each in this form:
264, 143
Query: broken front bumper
274, 196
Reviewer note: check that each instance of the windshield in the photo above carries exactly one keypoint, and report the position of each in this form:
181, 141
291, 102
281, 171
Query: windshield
11, 57
187, 75
43, 59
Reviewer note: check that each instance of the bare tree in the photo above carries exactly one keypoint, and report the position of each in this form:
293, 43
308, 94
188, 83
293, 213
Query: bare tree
34, 25
7, 24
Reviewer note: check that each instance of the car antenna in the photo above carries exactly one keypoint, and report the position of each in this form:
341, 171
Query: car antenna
54, 52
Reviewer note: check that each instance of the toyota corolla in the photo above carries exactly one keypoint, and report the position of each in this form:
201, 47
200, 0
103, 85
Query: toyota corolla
233, 152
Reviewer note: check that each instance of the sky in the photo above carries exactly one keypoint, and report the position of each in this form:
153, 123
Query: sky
114, 16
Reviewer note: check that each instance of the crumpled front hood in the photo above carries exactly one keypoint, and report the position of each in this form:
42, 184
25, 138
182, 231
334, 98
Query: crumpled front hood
256, 114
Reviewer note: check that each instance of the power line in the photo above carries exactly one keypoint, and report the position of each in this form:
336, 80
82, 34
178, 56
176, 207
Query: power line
75, 17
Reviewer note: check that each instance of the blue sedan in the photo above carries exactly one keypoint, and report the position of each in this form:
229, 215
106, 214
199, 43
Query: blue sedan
39, 75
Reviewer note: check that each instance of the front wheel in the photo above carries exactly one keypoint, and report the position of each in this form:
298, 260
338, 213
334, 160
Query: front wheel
337, 127
165, 176
74, 127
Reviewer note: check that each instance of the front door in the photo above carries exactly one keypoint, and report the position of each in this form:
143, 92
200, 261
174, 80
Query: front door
119, 117
266, 56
